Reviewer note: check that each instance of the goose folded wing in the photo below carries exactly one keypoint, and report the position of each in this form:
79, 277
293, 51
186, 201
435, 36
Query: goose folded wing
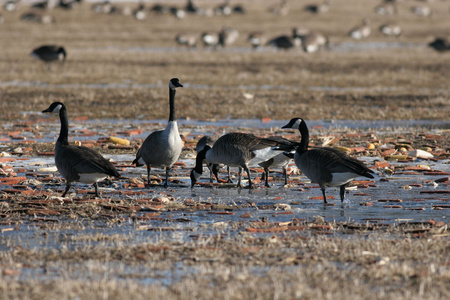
86, 160
345, 163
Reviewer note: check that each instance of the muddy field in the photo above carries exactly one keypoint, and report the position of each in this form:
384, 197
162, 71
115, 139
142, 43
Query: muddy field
379, 99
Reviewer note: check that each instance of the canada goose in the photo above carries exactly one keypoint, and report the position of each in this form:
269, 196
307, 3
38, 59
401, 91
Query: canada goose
325, 166
386, 9
223, 9
440, 44
391, 29
421, 11
256, 39
236, 150
178, 12
210, 39
10, 5
76, 163
49, 53
163, 147
208, 140
361, 31
286, 42
227, 36
280, 160
318, 8
37, 18
140, 12
314, 41
191, 8
187, 39
281, 8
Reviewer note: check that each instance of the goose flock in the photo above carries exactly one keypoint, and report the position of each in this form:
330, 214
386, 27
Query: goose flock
162, 149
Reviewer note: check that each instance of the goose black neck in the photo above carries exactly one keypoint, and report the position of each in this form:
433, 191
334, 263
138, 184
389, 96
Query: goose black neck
199, 160
172, 116
305, 137
64, 132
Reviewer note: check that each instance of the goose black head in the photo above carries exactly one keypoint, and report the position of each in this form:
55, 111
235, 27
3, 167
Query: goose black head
55, 107
62, 54
194, 177
293, 123
174, 83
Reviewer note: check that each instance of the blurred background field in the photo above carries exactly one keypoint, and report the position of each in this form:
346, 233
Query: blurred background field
118, 66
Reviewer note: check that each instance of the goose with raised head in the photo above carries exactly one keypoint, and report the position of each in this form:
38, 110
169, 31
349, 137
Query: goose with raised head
236, 150
49, 53
325, 166
77, 163
162, 148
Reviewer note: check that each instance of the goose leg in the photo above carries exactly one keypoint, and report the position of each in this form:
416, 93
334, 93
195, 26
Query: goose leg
324, 196
285, 175
342, 192
66, 190
211, 172
215, 171
96, 189
240, 175
167, 177
266, 172
249, 178
148, 175
229, 175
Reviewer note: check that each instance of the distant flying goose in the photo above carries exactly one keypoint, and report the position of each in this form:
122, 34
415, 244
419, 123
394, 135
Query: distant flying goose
162, 148
325, 166
76, 163
236, 150
49, 53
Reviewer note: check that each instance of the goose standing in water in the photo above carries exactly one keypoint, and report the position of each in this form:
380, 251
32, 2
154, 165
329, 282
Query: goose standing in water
236, 150
76, 163
208, 140
162, 148
326, 166
279, 161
